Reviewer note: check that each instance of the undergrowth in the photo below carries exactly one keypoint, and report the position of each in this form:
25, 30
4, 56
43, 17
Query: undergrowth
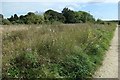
55, 51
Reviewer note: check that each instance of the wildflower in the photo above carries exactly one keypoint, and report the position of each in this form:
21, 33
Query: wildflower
50, 30
29, 49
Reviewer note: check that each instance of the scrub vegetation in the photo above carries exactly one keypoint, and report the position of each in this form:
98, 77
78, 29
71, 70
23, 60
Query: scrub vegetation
54, 51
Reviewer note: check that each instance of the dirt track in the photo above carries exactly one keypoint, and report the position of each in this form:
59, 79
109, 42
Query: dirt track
109, 69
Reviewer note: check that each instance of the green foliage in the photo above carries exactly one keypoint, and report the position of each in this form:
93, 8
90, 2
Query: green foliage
16, 17
11, 19
30, 18
69, 15
6, 22
1, 18
100, 21
26, 65
84, 17
52, 16
55, 51
77, 66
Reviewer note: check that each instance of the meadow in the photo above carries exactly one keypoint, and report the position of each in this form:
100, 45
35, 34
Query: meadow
54, 51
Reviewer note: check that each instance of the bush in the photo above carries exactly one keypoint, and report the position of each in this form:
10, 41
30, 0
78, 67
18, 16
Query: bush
26, 65
6, 22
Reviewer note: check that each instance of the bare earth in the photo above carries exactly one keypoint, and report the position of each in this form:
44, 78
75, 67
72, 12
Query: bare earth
109, 69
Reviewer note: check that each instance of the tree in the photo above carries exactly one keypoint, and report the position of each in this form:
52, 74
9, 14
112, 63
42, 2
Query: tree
52, 16
100, 21
1, 18
30, 13
69, 15
84, 17
31, 18
16, 17
38, 19
11, 19
78, 17
6, 22
22, 19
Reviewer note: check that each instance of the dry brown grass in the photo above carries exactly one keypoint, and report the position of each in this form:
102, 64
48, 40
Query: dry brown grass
65, 50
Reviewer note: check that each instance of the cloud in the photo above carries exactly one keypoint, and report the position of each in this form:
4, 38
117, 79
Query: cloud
9, 8
106, 1
1, 8
79, 1
60, 5
45, 0
73, 6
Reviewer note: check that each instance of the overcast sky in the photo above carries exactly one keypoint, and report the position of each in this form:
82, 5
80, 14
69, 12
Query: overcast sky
103, 9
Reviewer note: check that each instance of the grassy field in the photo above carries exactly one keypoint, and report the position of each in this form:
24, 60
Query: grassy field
54, 51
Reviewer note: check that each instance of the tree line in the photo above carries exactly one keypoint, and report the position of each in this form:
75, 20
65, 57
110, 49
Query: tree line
50, 16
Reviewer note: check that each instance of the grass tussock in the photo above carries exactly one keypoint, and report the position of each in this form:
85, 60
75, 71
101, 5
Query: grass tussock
55, 51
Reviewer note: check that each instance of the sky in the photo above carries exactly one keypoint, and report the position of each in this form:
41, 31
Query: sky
103, 9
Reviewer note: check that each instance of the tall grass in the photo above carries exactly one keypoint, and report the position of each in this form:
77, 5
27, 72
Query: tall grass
55, 51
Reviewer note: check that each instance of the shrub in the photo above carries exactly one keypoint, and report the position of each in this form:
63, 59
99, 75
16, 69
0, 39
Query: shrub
26, 65
6, 22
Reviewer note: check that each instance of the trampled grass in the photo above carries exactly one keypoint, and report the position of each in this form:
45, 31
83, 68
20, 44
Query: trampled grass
54, 51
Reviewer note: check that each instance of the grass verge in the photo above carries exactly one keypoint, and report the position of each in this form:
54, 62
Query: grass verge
55, 51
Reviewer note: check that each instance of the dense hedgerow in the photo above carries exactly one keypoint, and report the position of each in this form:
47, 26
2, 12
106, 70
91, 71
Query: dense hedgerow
55, 51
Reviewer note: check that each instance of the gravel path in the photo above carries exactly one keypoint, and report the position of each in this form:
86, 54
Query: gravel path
109, 69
